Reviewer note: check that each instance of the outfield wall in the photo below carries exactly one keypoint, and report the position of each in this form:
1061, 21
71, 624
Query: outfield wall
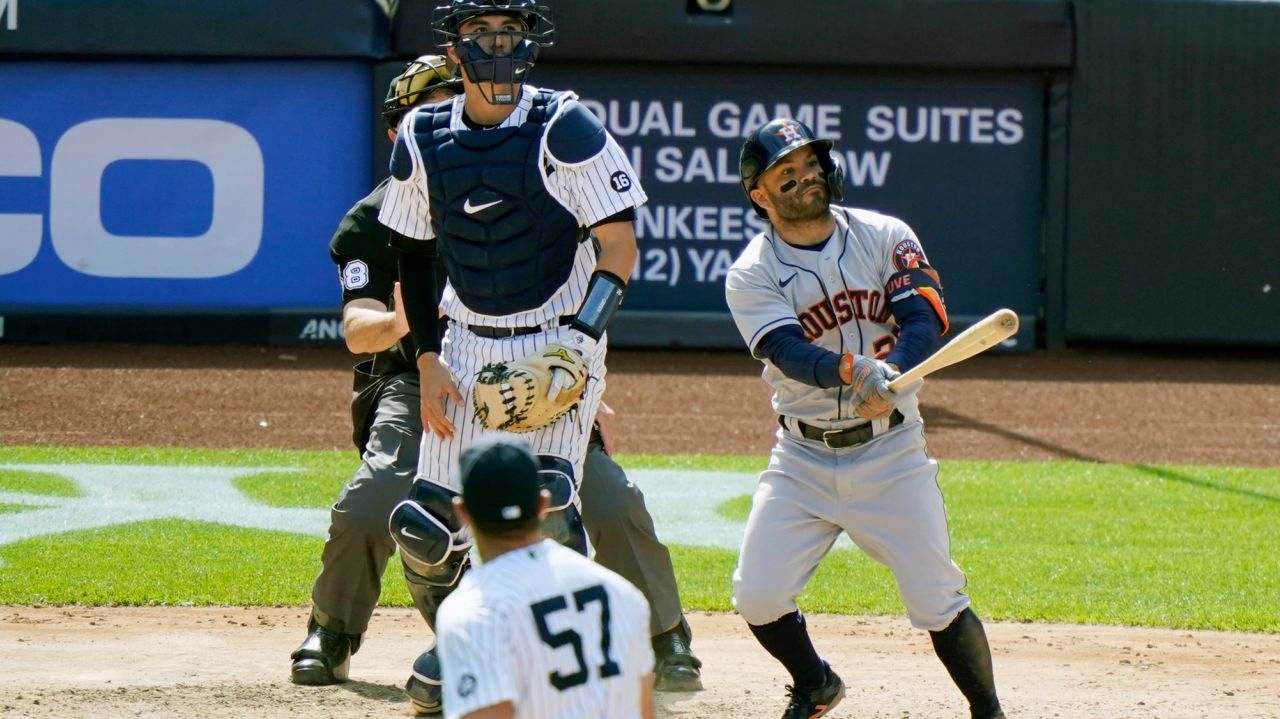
1053, 156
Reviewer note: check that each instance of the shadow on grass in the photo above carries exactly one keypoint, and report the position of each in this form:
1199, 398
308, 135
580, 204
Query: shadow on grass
945, 417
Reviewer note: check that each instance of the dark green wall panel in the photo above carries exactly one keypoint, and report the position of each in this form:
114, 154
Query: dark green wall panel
1173, 220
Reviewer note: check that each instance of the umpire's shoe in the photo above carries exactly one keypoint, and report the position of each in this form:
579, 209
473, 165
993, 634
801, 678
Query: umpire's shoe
677, 669
324, 657
813, 703
423, 687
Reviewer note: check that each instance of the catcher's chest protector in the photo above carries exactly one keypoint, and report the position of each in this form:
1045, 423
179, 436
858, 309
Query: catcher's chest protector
506, 242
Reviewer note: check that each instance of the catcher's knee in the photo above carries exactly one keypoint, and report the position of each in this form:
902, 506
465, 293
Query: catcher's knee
563, 522
432, 542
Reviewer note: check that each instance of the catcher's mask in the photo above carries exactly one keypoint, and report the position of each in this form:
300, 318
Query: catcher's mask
776, 139
503, 57
419, 79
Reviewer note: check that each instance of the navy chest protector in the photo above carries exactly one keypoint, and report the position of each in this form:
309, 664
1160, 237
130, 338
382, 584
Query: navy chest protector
506, 243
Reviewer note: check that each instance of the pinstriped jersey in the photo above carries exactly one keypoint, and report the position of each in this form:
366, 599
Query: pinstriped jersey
548, 630
591, 191
836, 295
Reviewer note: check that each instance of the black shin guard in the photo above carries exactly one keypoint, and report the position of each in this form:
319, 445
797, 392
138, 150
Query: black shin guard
964, 651
787, 639
429, 592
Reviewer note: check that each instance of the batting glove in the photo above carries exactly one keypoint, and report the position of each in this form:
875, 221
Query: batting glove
869, 378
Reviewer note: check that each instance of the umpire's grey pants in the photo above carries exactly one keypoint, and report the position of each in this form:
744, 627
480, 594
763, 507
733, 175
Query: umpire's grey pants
621, 531
359, 544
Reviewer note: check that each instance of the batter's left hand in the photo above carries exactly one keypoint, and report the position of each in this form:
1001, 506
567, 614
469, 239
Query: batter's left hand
869, 378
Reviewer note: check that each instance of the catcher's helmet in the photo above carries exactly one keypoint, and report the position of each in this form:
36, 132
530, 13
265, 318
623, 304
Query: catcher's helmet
412, 86
479, 64
776, 139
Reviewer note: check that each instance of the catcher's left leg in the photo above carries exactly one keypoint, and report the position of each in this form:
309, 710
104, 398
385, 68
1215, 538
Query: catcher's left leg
434, 547
563, 522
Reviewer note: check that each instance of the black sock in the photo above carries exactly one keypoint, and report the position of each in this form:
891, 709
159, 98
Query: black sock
787, 639
963, 649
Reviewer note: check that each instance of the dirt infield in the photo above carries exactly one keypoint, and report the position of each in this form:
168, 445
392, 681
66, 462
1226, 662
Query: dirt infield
233, 662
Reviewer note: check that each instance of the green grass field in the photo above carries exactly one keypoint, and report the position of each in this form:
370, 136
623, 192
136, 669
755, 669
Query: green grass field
1176, 546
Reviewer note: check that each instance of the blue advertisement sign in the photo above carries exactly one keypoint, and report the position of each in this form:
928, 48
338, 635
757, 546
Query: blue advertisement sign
958, 156
178, 184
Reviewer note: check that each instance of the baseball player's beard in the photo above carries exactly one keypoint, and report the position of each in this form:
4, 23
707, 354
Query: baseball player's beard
802, 205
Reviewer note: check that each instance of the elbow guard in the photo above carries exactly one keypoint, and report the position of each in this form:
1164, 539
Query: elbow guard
913, 285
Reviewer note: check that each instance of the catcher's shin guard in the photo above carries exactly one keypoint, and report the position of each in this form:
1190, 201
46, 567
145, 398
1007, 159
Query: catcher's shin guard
563, 522
432, 542
424, 686
428, 592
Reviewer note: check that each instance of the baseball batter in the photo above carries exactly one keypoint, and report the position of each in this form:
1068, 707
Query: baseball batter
836, 302
537, 630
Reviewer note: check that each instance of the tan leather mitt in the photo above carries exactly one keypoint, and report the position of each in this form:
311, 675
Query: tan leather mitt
532, 392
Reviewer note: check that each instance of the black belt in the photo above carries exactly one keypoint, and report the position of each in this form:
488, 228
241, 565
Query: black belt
841, 438
506, 332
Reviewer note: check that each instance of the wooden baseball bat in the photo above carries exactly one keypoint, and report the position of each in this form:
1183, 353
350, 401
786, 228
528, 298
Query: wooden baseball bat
982, 335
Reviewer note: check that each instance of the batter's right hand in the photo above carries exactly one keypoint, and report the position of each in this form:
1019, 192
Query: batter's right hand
869, 378
438, 384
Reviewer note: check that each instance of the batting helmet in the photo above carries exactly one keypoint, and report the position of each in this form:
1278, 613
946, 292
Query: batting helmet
479, 64
776, 139
412, 86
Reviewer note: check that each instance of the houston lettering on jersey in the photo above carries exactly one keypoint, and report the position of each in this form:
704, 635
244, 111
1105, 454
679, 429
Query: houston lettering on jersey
845, 306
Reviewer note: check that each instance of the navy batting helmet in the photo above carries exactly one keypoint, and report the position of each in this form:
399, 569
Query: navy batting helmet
776, 139
475, 52
411, 87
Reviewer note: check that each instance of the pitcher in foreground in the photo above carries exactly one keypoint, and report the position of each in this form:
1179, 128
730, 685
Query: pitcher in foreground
537, 630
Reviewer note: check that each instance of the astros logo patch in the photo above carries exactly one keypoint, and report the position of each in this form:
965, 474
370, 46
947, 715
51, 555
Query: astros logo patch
790, 132
907, 255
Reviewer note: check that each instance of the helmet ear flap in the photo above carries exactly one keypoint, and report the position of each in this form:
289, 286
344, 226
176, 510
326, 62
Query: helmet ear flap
833, 166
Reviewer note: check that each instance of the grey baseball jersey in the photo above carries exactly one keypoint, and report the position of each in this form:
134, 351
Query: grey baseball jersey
883, 493
590, 190
835, 294
548, 630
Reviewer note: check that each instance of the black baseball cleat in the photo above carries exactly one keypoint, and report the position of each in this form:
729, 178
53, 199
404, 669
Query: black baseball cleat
423, 687
814, 703
676, 668
323, 658
997, 714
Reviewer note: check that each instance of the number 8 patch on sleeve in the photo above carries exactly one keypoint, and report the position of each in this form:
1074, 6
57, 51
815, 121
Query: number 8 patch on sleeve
355, 274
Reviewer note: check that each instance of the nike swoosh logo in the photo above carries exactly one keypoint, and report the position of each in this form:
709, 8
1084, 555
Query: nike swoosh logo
471, 209
411, 535
787, 281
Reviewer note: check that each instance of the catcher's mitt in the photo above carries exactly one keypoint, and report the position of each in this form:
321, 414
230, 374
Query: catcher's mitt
532, 392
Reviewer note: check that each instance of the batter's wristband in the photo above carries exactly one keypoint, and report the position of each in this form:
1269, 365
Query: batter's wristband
604, 295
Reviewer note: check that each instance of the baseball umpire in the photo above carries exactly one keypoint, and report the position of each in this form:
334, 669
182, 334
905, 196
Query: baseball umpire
386, 422
835, 302
504, 631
